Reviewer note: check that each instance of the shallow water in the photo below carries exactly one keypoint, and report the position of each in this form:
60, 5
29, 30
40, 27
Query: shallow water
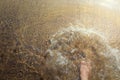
26, 27
63, 54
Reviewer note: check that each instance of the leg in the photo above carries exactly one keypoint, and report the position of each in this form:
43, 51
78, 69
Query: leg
85, 70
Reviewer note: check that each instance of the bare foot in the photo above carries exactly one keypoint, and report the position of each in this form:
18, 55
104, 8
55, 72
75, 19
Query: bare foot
85, 70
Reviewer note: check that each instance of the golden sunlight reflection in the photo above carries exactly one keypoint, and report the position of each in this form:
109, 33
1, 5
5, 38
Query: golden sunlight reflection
108, 3
112, 4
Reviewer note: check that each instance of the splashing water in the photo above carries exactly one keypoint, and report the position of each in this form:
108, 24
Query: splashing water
71, 45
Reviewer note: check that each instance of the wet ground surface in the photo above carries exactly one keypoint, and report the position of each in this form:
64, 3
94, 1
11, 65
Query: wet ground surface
26, 25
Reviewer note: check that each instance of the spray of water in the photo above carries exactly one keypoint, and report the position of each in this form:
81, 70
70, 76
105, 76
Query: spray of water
71, 45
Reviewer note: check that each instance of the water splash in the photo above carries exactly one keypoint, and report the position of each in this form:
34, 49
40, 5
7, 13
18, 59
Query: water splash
70, 45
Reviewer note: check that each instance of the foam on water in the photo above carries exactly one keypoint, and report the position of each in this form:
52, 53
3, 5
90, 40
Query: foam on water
62, 49
115, 55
